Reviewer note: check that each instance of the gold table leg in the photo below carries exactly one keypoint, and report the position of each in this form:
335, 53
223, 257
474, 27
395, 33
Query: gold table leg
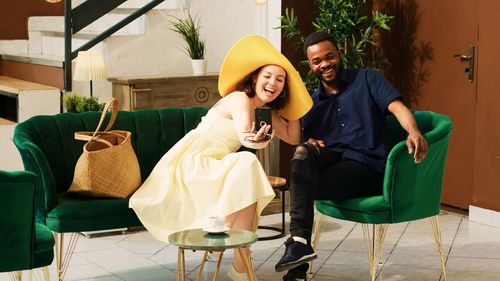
219, 262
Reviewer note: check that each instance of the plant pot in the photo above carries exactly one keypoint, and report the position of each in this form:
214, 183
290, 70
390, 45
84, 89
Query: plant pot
199, 66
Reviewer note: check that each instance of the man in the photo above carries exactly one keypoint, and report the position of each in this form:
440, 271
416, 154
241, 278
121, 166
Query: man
347, 144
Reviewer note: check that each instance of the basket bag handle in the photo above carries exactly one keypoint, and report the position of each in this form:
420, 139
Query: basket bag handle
114, 112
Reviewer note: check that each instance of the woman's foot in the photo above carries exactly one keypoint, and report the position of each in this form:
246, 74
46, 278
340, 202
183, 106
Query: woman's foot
235, 275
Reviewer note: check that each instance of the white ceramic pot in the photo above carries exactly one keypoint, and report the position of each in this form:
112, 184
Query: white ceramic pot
199, 67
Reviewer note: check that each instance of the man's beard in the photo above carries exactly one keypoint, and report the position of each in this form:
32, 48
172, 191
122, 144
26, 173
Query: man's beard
338, 70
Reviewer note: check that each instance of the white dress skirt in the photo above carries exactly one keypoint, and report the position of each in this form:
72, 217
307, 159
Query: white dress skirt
202, 175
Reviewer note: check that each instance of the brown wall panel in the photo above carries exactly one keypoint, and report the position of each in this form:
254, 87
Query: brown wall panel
14, 15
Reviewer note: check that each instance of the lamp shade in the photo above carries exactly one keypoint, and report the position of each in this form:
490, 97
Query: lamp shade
89, 66
260, 2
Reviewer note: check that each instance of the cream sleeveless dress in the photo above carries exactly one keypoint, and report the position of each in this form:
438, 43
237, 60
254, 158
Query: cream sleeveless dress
202, 175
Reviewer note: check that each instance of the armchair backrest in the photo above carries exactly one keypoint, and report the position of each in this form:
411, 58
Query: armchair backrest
414, 190
48, 148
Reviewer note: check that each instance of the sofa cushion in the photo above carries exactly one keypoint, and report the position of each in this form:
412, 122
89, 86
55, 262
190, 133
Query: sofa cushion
75, 213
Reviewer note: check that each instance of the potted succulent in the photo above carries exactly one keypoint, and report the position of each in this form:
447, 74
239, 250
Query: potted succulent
189, 30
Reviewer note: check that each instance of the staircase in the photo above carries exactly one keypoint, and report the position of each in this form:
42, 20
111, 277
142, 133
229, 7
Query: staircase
31, 71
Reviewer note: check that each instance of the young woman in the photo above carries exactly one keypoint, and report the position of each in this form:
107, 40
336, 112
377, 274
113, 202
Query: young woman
204, 175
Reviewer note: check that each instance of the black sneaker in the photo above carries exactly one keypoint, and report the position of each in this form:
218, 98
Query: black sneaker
296, 253
298, 273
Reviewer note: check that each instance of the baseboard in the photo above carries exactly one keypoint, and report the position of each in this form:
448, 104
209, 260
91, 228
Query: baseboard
484, 216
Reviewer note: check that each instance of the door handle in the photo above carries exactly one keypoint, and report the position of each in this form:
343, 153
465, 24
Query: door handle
463, 57
468, 58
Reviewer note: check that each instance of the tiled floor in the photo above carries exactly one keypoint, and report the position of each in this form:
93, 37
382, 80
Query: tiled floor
472, 253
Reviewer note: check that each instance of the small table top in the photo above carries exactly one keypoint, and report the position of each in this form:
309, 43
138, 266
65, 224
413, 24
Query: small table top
198, 239
276, 182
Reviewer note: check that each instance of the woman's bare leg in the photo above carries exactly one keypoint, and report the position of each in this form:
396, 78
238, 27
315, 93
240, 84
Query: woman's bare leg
243, 219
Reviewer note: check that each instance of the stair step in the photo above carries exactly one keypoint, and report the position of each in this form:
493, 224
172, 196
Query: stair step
47, 60
13, 46
4, 121
55, 24
26, 99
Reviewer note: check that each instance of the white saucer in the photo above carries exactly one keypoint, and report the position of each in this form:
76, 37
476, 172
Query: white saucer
216, 231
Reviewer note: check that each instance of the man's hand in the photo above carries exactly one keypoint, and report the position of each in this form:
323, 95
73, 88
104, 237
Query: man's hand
315, 142
417, 145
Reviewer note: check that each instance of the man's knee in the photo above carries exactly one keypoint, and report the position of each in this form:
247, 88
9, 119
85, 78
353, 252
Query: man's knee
303, 151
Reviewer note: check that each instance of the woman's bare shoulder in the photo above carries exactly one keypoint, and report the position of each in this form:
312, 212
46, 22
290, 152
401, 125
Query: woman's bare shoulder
231, 103
237, 99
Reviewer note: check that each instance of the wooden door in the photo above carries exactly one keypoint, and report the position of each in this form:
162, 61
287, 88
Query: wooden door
444, 29
486, 184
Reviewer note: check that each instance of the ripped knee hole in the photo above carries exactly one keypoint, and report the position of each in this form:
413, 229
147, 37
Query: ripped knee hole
300, 153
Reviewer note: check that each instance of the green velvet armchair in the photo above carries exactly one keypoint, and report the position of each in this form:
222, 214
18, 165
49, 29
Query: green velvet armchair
25, 242
48, 149
410, 191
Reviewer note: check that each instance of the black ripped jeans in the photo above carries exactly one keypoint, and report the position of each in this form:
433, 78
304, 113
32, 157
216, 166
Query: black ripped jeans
321, 174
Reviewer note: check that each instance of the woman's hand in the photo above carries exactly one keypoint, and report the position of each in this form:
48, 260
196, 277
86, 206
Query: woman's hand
260, 136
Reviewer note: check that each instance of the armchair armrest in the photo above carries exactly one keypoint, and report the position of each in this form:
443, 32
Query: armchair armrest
414, 190
17, 219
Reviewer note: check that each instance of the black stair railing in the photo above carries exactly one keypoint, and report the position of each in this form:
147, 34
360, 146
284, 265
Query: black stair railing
86, 13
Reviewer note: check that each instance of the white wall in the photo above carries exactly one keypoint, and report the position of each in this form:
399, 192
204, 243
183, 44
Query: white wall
160, 52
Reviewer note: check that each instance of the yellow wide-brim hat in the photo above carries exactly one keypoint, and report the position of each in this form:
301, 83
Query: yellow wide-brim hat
252, 52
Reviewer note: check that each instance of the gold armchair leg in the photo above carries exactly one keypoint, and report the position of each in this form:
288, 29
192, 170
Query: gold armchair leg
63, 258
434, 221
16, 276
318, 227
374, 243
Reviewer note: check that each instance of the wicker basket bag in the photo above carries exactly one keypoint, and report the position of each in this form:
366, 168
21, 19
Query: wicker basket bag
108, 166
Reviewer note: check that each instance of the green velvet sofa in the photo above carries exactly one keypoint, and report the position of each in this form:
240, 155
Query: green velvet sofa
48, 149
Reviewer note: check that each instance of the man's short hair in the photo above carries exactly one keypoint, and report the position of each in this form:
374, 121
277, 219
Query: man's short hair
316, 37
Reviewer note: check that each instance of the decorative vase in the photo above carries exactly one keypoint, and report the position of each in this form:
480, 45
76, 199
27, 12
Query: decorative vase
199, 66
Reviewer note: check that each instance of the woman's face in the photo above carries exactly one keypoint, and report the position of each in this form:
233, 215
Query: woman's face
269, 83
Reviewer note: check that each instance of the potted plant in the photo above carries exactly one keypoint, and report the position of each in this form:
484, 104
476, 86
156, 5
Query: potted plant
189, 30
352, 23
76, 103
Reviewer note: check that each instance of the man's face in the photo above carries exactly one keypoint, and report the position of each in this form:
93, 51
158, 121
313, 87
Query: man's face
324, 60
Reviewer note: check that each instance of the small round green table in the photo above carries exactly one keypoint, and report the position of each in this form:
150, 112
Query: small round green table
198, 239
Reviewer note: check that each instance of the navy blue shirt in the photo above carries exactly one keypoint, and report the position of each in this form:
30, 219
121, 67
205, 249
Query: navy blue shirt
353, 121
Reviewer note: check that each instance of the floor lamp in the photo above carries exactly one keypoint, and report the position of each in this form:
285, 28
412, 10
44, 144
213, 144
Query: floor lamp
90, 66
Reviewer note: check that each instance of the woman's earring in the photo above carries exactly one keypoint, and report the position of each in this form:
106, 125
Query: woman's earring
282, 94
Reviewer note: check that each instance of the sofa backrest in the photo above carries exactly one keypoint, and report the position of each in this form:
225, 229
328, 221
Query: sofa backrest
48, 147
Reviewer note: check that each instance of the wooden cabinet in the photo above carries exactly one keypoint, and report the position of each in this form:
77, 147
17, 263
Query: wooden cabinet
158, 92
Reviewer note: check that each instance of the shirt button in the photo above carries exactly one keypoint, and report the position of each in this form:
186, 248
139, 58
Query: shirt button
338, 110
342, 124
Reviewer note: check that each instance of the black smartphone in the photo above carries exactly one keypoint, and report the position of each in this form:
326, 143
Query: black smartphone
263, 117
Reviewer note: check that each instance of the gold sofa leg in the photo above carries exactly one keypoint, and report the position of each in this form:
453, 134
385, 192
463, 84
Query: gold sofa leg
64, 257
374, 243
434, 221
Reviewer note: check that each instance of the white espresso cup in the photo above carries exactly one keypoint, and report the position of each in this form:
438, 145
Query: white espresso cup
215, 224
